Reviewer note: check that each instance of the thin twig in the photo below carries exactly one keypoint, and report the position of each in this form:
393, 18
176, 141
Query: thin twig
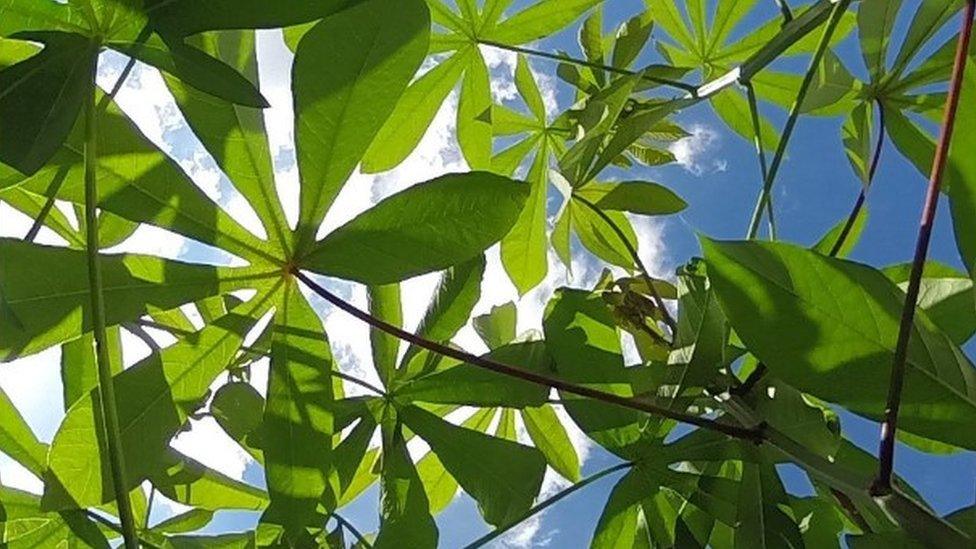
666, 316
862, 196
785, 10
542, 506
352, 530
106, 386
526, 375
838, 11
572, 60
886, 452
760, 151
115, 527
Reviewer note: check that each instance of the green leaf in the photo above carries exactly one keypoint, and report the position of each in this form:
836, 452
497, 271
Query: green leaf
856, 135
591, 38
826, 244
235, 135
405, 519
829, 328
761, 521
728, 15
385, 304
631, 39
186, 481
498, 326
41, 98
875, 21
298, 423
582, 338
550, 437
456, 295
504, 477
733, 108
18, 441
154, 399
597, 236
947, 297
929, 18
638, 197
440, 485
961, 174
617, 527
189, 17
196, 68
79, 369
540, 20
529, 89
699, 349
239, 410
191, 520
371, 58
523, 249
413, 114
470, 385
474, 114
42, 308
425, 228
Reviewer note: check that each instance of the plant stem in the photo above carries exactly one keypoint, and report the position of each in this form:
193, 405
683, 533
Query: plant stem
760, 150
785, 10
761, 203
115, 527
637, 261
862, 196
542, 506
886, 453
526, 375
352, 530
572, 60
106, 386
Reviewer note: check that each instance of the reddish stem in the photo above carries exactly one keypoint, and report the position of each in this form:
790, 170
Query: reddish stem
526, 375
882, 484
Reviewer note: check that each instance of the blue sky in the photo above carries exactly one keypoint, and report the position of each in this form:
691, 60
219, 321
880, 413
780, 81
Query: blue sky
720, 181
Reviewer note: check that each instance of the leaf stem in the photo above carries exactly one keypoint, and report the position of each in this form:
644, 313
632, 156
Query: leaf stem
526, 375
862, 196
785, 10
352, 530
543, 505
886, 452
580, 62
760, 150
106, 386
761, 202
665, 314
115, 527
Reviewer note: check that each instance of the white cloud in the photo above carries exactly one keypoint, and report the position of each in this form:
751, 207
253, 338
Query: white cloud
696, 153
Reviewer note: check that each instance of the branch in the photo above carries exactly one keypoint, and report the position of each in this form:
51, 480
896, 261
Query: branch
785, 10
886, 452
529, 376
637, 261
761, 202
572, 60
106, 387
862, 196
542, 506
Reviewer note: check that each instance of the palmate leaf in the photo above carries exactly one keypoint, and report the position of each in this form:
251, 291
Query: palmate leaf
415, 111
405, 510
39, 311
154, 399
839, 341
338, 112
425, 228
